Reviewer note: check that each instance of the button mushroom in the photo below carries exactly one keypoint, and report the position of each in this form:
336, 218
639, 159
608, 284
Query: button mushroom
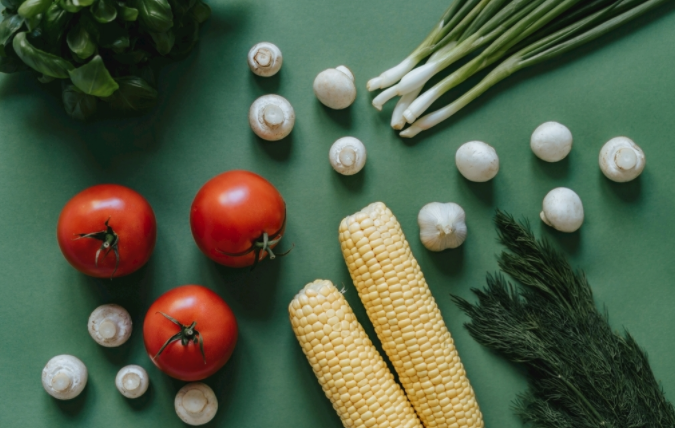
477, 161
562, 210
132, 381
621, 159
271, 117
110, 325
335, 87
196, 404
64, 377
551, 141
347, 155
265, 59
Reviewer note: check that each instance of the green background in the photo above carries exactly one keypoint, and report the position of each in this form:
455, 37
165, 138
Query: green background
621, 84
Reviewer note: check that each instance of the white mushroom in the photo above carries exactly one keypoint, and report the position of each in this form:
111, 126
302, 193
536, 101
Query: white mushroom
265, 59
132, 381
110, 325
196, 404
442, 225
621, 159
347, 155
477, 161
562, 210
64, 377
271, 117
335, 87
551, 141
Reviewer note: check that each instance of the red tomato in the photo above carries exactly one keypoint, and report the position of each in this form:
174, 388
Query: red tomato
200, 318
236, 216
107, 231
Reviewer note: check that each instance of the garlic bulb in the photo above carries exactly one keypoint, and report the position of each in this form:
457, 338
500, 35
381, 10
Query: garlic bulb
442, 225
621, 159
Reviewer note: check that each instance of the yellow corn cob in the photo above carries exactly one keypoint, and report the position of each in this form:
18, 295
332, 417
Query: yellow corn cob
407, 319
351, 372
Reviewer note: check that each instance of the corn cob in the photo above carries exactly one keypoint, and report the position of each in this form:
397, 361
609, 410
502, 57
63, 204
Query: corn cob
407, 319
351, 372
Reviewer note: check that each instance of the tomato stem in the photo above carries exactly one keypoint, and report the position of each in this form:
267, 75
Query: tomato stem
110, 241
187, 334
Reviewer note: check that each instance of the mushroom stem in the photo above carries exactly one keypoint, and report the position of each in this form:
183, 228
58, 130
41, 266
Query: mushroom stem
346, 71
61, 381
347, 156
107, 329
263, 57
131, 381
544, 219
273, 115
625, 158
194, 401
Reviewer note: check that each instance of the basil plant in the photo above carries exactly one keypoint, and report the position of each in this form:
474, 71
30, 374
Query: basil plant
105, 50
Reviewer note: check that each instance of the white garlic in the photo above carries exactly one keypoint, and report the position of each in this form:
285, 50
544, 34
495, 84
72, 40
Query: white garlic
265, 59
551, 141
132, 381
477, 161
562, 210
110, 325
64, 377
621, 159
196, 404
335, 87
271, 117
347, 155
442, 225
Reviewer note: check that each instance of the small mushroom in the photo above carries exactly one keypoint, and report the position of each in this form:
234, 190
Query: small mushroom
347, 155
265, 59
196, 404
562, 210
551, 141
335, 87
477, 161
621, 160
64, 377
271, 117
132, 381
442, 226
110, 325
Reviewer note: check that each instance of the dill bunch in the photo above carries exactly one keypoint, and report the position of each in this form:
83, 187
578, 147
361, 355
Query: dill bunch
581, 373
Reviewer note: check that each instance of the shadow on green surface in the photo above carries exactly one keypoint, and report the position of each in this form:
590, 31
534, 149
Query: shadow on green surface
484, 192
266, 85
569, 242
341, 117
630, 192
277, 150
450, 261
354, 183
72, 408
554, 170
142, 402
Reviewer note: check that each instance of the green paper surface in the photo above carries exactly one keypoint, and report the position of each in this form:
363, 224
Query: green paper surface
621, 84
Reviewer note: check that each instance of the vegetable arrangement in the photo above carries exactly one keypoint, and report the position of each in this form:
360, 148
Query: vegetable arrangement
582, 374
105, 50
512, 34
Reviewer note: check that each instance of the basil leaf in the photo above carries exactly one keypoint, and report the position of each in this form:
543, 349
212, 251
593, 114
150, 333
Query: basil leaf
11, 4
121, 44
80, 42
164, 41
8, 27
43, 62
69, 6
45, 79
186, 36
181, 7
104, 11
133, 57
78, 105
10, 64
134, 94
31, 8
83, 3
201, 11
154, 15
94, 79
53, 23
33, 22
128, 13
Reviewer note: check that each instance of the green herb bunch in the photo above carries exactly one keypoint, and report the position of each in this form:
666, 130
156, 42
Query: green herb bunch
582, 374
101, 49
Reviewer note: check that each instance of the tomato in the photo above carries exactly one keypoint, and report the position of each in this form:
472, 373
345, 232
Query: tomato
237, 218
201, 321
107, 231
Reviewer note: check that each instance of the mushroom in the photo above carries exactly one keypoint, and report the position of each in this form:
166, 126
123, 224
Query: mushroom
196, 404
271, 117
551, 141
347, 155
64, 377
110, 325
562, 210
265, 59
335, 87
621, 159
132, 381
442, 226
477, 161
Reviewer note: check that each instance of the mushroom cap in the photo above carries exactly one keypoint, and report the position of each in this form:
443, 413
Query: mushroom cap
551, 141
64, 377
621, 150
477, 161
196, 404
110, 325
347, 155
132, 381
271, 117
265, 59
335, 87
563, 210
